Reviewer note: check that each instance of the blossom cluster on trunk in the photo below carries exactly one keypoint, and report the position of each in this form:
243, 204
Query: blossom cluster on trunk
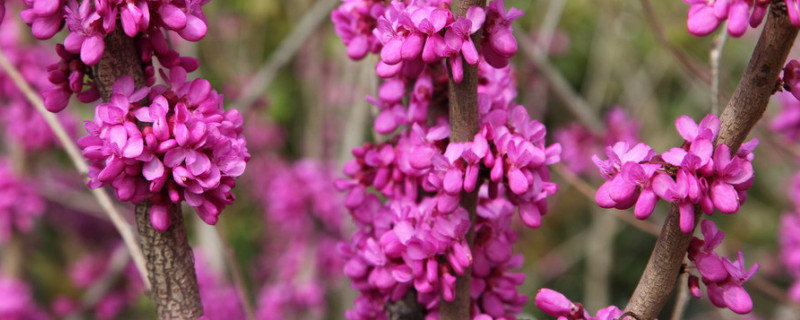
161, 143
404, 194
695, 174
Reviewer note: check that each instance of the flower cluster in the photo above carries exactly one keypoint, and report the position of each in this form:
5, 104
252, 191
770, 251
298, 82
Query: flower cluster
306, 212
404, 194
20, 203
556, 304
694, 174
411, 34
705, 16
220, 299
182, 147
90, 22
723, 278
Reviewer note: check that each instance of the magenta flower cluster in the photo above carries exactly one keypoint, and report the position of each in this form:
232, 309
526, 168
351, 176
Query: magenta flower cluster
20, 203
404, 194
556, 304
706, 15
723, 279
411, 35
182, 147
301, 262
694, 174
89, 22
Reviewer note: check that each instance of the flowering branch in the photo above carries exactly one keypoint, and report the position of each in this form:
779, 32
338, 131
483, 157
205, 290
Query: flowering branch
740, 115
463, 127
170, 262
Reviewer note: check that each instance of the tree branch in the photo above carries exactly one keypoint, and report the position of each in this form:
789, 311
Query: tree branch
745, 108
463, 127
169, 258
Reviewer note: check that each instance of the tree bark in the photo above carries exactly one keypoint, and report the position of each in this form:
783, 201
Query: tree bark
170, 265
745, 108
463, 127
168, 256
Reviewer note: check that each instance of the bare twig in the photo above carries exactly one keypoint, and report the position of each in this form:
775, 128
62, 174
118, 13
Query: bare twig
574, 103
684, 60
238, 279
122, 226
714, 56
745, 108
682, 300
759, 283
284, 53
589, 191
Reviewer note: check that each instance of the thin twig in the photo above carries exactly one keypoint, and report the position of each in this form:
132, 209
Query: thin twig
572, 101
714, 56
123, 227
682, 300
118, 261
761, 284
549, 24
589, 191
684, 60
238, 279
284, 53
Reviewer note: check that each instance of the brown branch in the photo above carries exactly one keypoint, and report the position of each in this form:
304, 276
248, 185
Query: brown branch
744, 109
463, 127
749, 101
168, 256
170, 265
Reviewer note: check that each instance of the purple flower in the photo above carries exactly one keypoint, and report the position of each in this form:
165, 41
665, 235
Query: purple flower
499, 43
86, 35
723, 278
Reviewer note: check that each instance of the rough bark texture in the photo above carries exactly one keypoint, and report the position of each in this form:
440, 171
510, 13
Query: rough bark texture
744, 109
119, 59
170, 266
463, 127
169, 259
